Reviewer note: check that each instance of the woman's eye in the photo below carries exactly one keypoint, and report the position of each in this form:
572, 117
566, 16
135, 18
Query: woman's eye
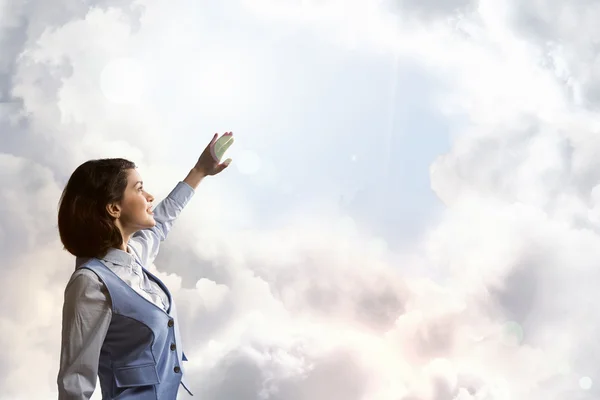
141, 189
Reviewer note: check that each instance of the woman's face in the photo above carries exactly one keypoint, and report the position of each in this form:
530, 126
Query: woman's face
136, 205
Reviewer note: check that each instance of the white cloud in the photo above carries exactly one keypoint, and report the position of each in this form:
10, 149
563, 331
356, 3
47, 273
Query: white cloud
302, 308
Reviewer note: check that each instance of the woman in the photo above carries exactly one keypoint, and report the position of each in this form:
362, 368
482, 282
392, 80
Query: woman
119, 320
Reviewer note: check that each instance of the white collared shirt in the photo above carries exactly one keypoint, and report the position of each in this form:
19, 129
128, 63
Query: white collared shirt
127, 267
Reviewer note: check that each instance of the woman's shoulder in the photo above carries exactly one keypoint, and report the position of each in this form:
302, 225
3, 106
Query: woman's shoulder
86, 288
83, 279
84, 274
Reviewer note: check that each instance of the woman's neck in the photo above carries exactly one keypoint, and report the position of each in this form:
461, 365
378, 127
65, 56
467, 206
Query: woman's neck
124, 244
125, 235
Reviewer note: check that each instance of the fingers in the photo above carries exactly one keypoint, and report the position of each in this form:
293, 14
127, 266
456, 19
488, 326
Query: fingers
215, 166
212, 152
216, 136
222, 166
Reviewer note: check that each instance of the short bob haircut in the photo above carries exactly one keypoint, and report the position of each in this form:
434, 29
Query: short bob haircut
86, 228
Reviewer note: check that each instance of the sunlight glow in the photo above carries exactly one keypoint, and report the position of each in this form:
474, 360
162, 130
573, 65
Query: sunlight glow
350, 22
122, 81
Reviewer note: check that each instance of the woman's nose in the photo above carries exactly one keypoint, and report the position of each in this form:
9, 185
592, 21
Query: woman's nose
149, 198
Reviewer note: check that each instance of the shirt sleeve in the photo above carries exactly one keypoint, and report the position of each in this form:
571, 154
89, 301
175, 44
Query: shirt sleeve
145, 243
86, 317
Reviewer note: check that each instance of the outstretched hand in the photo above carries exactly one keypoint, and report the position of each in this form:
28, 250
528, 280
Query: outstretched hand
208, 163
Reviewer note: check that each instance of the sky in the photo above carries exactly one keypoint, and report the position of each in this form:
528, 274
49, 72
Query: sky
412, 209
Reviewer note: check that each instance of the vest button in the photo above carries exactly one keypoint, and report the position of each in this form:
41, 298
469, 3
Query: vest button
170, 323
177, 370
173, 347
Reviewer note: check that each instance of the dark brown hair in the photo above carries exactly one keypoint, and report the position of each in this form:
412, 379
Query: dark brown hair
86, 228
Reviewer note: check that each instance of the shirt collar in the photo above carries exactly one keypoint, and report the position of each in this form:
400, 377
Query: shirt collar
119, 257
114, 256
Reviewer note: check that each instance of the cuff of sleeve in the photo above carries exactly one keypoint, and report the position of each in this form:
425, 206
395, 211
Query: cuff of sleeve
181, 194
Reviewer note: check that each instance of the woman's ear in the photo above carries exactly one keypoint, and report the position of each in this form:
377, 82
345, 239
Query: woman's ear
114, 210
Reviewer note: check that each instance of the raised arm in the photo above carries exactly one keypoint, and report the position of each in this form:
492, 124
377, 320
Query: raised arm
146, 243
86, 318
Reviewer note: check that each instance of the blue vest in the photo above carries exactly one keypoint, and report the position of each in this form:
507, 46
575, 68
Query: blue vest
141, 357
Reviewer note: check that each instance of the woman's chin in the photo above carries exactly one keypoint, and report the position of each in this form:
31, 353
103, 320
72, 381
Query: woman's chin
149, 223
